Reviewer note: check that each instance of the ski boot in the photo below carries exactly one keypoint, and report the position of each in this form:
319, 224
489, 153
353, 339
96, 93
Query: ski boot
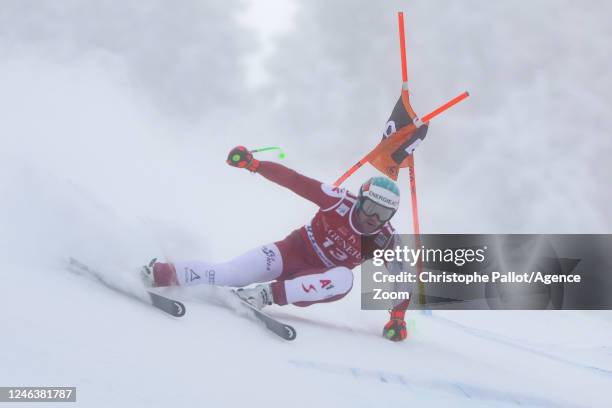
157, 274
259, 296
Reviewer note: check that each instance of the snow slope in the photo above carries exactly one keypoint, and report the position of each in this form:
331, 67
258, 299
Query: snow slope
63, 329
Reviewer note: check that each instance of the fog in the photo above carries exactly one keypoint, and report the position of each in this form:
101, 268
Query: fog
138, 104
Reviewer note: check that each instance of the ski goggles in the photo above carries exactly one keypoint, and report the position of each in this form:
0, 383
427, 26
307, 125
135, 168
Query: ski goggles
371, 208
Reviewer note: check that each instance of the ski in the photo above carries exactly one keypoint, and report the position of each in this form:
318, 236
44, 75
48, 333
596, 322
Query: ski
275, 326
163, 303
170, 306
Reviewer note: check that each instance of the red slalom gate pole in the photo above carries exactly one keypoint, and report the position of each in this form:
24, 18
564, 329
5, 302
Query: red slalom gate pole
350, 171
405, 93
411, 170
444, 107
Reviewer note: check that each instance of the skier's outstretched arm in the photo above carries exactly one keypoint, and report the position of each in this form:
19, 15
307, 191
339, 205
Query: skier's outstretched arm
306, 187
303, 186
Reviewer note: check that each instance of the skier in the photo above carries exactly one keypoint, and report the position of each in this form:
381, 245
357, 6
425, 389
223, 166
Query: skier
313, 263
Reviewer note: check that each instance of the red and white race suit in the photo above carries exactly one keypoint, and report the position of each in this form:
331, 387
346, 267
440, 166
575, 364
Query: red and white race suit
312, 264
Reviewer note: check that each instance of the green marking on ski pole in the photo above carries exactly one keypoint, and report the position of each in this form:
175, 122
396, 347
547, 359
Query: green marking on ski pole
281, 154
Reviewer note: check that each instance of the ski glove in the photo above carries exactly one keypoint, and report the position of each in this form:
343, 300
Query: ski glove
241, 157
395, 329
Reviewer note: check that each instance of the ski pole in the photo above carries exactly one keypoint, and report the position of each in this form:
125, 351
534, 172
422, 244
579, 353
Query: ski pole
281, 154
